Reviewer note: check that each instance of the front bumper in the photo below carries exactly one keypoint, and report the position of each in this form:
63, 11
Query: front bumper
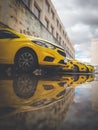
51, 57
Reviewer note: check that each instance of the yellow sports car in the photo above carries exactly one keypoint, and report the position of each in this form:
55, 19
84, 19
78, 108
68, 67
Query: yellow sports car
90, 68
78, 66
26, 53
90, 78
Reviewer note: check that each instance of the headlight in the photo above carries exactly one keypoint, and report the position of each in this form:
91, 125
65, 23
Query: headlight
51, 46
45, 44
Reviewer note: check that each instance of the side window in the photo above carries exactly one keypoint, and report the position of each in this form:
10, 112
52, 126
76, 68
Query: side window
6, 34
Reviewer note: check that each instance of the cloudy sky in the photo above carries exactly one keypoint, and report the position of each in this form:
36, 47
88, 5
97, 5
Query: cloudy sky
80, 18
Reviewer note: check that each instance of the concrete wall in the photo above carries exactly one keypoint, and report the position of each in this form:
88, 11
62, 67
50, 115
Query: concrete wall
21, 19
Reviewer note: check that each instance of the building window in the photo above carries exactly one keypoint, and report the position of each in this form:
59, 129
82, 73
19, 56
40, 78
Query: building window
20, 31
60, 27
59, 39
63, 32
62, 43
52, 29
37, 11
57, 36
0, 11
47, 6
57, 22
65, 35
52, 14
27, 2
24, 31
46, 23
65, 44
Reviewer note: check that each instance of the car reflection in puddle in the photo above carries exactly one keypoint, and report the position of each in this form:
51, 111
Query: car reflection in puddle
42, 102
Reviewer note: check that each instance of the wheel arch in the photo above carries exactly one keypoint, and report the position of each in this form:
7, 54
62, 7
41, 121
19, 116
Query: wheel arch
78, 68
25, 48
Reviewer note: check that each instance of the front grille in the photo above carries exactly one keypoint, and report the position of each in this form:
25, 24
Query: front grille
61, 53
48, 58
61, 62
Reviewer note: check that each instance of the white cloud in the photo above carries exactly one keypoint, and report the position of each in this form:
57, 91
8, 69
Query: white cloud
80, 33
82, 52
80, 19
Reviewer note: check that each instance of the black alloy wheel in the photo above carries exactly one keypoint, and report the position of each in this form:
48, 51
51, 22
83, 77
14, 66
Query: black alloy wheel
25, 60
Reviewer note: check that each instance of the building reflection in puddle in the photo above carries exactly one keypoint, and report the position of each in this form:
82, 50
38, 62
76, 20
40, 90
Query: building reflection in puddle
95, 94
83, 112
37, 102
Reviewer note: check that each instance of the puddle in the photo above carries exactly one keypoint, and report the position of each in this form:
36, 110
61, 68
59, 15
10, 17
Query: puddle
48, 102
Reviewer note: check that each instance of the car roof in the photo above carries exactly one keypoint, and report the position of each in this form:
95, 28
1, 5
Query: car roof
30, 37
41, 39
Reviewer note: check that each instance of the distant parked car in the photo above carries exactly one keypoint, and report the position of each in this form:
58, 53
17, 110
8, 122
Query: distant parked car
78, 66
90, 68
68, 66
26, 53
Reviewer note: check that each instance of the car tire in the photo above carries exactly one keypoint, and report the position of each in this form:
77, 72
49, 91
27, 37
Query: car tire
25, 60
76, 68
87, 70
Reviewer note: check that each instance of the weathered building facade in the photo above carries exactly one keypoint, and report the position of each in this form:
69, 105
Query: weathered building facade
37, 18
94, 53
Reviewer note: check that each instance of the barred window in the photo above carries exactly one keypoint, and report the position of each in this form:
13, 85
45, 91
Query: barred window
52, 14
37, 11
47, 6
52, 29
46, 23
